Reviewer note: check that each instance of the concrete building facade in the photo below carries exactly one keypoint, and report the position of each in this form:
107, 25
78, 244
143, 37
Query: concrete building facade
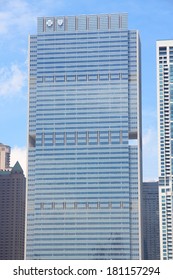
4, 156
164, 49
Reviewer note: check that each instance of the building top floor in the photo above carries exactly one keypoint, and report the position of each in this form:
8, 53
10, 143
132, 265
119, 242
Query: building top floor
83, 23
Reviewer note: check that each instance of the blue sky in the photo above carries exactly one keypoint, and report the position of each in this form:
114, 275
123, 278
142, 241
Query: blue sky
153, 19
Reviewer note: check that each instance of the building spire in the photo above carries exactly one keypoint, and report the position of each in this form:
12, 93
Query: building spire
17, 168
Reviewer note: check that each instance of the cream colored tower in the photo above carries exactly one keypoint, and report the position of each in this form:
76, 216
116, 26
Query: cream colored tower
165, 139
4, 156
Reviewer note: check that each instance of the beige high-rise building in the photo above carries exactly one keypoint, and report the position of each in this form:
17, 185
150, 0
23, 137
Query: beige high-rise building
165, 136
4, 156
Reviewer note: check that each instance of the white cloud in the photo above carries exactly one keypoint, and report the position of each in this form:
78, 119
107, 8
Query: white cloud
148, 136
4, 22
12, 80
19, 154
21, 15
15, 14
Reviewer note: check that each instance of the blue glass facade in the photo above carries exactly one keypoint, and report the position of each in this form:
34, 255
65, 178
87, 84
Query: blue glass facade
84, 150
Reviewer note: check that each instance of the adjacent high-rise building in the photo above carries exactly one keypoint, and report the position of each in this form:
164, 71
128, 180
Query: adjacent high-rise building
4, 156
84, 139
165, 126
12, 213
150, 213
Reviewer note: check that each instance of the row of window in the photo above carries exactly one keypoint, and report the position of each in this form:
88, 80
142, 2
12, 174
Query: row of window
80, 205
101, 33
107, 137
91, 77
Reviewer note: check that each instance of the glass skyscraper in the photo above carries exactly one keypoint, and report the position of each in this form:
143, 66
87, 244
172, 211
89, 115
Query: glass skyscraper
165, 127
150, 214
84, 139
